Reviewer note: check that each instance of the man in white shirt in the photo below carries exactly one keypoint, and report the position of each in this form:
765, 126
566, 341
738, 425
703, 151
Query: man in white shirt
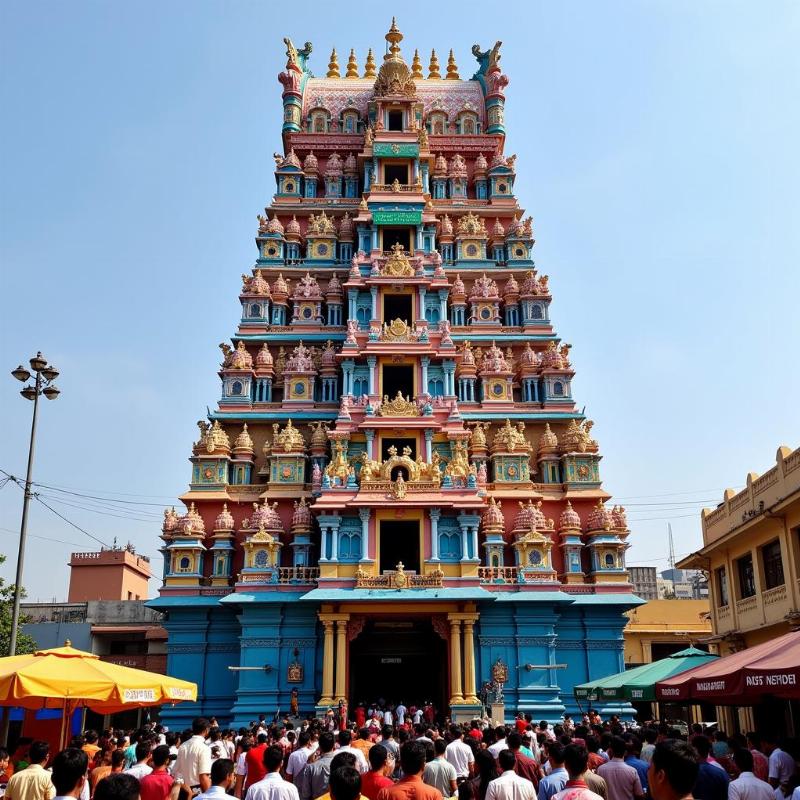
747, 786
141, 767
499, 743
781, 764
297, 759
509, 786
459, 753
400, 713
222, 778
272, 786
345, 738
69, 773
193, 763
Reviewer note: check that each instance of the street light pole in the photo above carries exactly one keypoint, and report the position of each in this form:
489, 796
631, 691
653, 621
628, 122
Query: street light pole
42, 385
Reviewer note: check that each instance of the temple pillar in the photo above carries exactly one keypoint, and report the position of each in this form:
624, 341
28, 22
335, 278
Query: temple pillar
424, 363
372, 362
428, 445
374, 294
363, 514
369, 433
455, 661
341, 659
469, 661
327, 664
434, 514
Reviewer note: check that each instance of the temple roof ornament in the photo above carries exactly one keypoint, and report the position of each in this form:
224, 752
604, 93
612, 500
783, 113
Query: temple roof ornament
352, 66
440, 171
300, 360
524, 519
538, 520
289, 440
459, 468
529, 358
262, 223
483, 288
280, 288
576, 438
569, 519
511, 289
212, 437
452, 68
394, 77
492, 521
275, 225
311, 164
458, 169
498, 231
457, 290
472, 225
170, 520
333, 66
478, 439
600, 518
328, 357
433, 67
397, 264
548, 441
481, 166
619, 518
319, 435
369, 65
224, 522
301, 518
399, 406
494, 361
416, 67
288, 160
263, 358
293, 229
240, 358
255, 284
320, 225
191, 522
334, 287
243, 442
511, 439
350, 165
333, 169
307, 288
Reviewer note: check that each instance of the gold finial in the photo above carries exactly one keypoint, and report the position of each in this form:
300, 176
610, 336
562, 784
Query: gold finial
369, 67
393, 37
416, 67
452, 69
352, 66
333, 66
433, 67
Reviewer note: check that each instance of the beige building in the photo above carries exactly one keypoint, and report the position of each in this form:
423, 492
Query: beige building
751, 552
660, 628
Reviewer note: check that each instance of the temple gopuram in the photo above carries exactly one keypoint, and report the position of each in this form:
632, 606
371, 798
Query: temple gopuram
396, 495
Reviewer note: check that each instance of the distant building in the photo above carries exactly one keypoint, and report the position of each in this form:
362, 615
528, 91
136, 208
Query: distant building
110, 574
751, 550
645, 582
682, 584
660, 628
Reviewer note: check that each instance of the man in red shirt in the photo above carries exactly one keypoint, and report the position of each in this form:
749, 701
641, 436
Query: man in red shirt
475, 731
157, 784
411, 786
524, 766
376, 779
254, 760
520, 724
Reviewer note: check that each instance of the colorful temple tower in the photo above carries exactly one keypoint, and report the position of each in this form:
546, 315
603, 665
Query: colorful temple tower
396, 495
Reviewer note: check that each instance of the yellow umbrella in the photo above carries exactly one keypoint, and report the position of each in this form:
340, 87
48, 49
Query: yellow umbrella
65, 676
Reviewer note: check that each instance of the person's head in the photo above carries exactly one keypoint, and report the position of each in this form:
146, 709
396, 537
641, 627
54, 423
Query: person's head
273, 758
387, 731
221, 772
617, 747
326, 742
117, 760
754, 740
343, 760
345, 738
466, 791
91, 737
702, 744
363, 733
720, 736
456, 732
673, 770
439, 746
650, 735
514, 741
633, 745
412, 758
69, 771
555, 752
143, 750
378, 756
345, 782
117, 786
485, 765
200, 726
743, 759
38, 752
576, 759
160, 756
507, 759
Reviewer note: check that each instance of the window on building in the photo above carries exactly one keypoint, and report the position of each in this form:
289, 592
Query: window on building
722, 586
773, 564
558, 389
747, 578
395, 121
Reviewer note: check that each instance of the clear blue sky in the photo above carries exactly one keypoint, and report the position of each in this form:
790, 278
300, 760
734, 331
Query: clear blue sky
658, 155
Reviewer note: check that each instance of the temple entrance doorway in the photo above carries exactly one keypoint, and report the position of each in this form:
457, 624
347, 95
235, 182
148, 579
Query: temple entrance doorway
399, 659
398, 235
397, 306
399, 541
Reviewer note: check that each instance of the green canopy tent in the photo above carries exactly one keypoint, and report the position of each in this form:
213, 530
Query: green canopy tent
638, 684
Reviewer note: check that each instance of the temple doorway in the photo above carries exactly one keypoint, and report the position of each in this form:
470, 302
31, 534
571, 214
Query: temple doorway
399, 541
397, 306
399, 659
399, 443
402, 236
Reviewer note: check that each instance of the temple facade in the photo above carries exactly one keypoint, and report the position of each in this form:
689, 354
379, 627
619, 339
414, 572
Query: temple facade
396, 495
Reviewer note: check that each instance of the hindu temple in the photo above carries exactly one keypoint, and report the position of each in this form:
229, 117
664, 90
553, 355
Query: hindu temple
396, 494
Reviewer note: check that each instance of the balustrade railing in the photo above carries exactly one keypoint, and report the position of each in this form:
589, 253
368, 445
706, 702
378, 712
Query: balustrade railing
497, 574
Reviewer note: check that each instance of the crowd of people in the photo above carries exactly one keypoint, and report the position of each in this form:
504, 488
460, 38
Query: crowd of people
402, 760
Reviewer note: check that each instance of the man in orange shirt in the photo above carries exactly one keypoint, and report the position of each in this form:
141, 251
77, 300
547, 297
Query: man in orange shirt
411, 786
90, 746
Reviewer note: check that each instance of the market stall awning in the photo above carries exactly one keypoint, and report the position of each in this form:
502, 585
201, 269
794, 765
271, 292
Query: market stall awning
741, 678
639, 683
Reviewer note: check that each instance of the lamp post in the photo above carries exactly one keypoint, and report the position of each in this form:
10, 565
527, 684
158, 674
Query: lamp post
42, 385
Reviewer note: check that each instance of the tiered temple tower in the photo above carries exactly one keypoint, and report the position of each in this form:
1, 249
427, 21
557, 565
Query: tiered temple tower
396, 495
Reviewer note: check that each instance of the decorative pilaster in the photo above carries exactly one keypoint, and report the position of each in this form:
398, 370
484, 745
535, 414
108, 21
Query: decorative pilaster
363, 515
469, 661
435, 514
341, 658
455, 661
327, 664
